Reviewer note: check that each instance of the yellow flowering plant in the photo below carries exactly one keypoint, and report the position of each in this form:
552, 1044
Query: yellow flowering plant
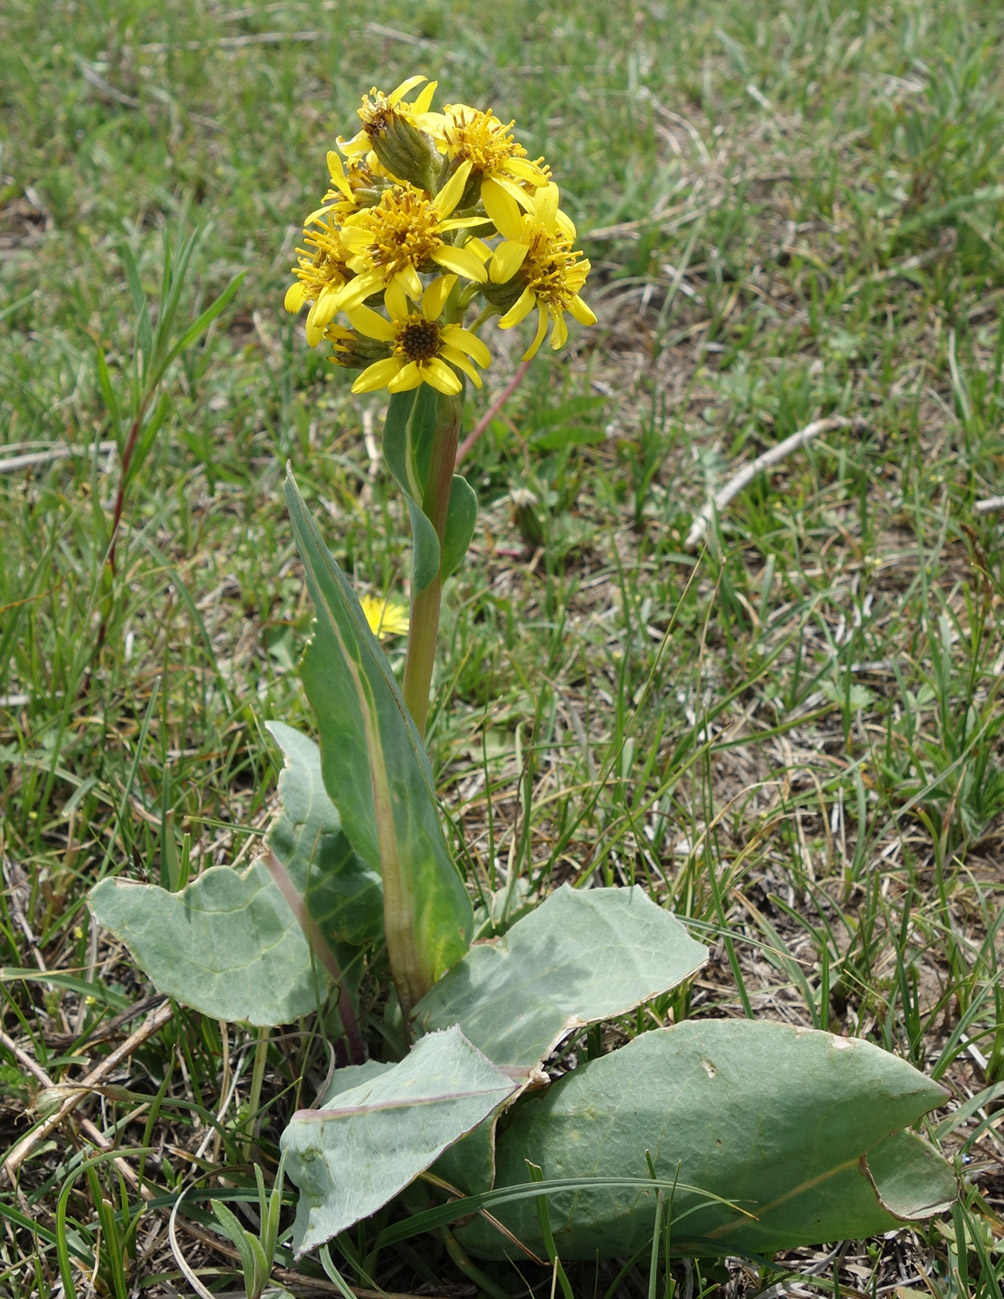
395, 260
436, 229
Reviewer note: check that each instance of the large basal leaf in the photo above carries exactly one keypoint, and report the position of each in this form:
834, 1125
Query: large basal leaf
374, 763
374, 1137
799, 1129
581, 956
235, 945
227, 944
343, 895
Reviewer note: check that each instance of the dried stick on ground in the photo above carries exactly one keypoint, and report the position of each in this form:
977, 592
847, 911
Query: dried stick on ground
746, 475
99, 1141
990, 505
33, 458
78, 1091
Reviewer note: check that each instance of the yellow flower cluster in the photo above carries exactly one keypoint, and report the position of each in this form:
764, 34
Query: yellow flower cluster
427, 213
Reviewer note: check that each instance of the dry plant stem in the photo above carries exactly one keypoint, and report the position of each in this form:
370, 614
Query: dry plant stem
33, 458
493, 410
127, 454
146, 1192
746, 475
424, 630
79, 1090
990, 505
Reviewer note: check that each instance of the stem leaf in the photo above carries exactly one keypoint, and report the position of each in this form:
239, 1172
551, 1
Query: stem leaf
261, 945
460, 521
377, 774
408, 434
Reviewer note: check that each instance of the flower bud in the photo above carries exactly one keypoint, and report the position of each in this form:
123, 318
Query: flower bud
503, 296
353, 350
405, 151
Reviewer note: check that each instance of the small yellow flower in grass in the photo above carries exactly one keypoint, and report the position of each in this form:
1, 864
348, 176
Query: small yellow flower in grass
498, 165
423, 349
390, 244
536, 263
386, 617
321, 276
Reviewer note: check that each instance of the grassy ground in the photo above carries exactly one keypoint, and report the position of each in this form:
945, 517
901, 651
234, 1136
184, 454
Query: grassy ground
793, 735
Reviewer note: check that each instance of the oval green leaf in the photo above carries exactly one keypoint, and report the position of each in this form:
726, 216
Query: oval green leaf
581, 956
798, 1129
234, 945
371, 1139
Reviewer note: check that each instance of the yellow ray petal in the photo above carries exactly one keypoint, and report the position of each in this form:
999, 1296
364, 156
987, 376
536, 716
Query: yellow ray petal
370, 323
434, 297
396, 300
502, 209
359, 289
336, 173
565, 224
461, 260
520, 309
378, 375
357, 147
354, 238
581, 312
458, 337
545, 204
531, 351
408, 377
408, 279
439, 375
509, 257
421, 104
397, 95
449, 196
327, 303
461, 361
509, 187
316, 216
526, 170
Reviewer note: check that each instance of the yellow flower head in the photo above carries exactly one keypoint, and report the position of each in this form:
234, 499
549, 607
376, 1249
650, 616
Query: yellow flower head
386, 617
422, 348
399, 219
359, 185
398, 132
536, 263
498, 164
405, 234
321, 275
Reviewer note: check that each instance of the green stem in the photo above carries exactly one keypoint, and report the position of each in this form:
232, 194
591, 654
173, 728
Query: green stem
462, 1259
257, 1078
425, 605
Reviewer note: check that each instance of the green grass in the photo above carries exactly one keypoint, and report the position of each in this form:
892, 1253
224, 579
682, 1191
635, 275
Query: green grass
794, 738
